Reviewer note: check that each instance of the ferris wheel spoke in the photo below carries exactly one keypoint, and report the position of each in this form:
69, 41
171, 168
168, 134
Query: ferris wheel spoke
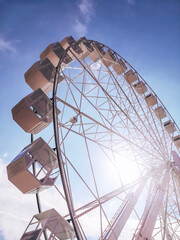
131, 104
109, 130
154, 121
155, 131
115, 104
164, 213
79, 175
114, 79
107, 197
176, 193
63, 151
90, 160
146, 120
102, 117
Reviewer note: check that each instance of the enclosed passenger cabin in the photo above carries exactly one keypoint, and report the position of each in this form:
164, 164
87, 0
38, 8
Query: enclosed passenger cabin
77, 51
54, 224
86, 47
41, 75
54, 52
98, 52
151, 100
34, 112
176, 141
108, 58
67, 41
20, 170
169, 126
119, 67
160, 112
140, 87
130, 76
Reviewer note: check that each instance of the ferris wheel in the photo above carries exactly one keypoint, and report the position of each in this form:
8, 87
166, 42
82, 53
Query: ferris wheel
112, 155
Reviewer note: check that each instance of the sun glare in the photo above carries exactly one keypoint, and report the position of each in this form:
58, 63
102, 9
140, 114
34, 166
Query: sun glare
124, 167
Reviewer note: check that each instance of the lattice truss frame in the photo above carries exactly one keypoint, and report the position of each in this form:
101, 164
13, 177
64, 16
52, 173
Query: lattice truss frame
123, 123
107, 120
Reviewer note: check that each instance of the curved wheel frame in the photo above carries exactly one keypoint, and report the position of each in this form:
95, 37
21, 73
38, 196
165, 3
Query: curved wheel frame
157, 144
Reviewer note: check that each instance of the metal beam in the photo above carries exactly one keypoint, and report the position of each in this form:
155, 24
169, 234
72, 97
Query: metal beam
121, 219
151, 213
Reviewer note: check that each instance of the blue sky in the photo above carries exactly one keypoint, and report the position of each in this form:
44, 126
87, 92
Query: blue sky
145, 33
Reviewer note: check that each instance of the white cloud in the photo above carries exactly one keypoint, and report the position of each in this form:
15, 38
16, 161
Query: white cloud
6, 45
92, 229
86, 8
129, 229
131, 1
14, 211
5, 155
80, 28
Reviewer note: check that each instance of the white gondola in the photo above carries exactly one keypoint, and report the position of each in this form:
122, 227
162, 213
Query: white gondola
130, 76
140, 87
34, 112
97, 53
20, 170
151, 100
169, 126
176, 141
160, 112
51, 222
41, 75
108, 58
67, 41
86, 48
76, 49
54, 53
119, 67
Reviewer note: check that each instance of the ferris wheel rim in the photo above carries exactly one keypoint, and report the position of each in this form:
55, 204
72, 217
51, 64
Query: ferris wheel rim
56, 124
